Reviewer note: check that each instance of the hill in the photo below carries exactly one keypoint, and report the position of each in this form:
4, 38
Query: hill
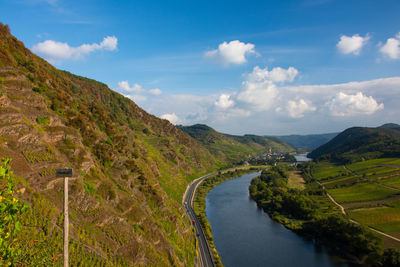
130, 168
307, 142
360, 143
233, 148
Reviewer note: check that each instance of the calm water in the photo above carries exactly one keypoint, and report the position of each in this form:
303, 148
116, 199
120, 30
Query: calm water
302, 157
245, 236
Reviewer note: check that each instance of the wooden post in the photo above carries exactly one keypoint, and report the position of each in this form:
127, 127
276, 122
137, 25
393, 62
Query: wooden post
66, 222
65, 173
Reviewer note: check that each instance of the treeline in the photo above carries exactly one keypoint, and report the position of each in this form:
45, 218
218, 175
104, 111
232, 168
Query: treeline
299, 211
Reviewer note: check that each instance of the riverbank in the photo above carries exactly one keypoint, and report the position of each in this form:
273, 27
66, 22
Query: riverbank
309, 213
199, 203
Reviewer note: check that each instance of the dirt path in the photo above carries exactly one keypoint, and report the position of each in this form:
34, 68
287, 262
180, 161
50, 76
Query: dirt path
353, 221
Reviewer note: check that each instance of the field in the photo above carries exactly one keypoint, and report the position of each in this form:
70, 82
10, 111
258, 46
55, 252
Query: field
361, 192
384, 218
368, 190
296, 180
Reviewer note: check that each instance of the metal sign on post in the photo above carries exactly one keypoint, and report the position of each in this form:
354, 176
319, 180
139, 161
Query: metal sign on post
64, 173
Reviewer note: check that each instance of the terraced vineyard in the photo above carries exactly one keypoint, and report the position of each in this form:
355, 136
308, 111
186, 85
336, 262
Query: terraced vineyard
368, 190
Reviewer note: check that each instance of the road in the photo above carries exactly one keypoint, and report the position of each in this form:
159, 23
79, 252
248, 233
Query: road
206, 256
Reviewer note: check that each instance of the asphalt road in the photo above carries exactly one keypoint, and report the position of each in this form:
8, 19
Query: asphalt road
206, 256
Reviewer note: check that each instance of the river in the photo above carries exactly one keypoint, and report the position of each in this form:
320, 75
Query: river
302, 158
245, 236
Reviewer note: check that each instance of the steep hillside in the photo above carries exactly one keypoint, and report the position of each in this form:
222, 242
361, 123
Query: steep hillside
233, 148
360, 143
307, 142
130, 168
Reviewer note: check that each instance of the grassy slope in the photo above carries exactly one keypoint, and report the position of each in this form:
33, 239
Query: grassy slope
234, 148
131, 168
358, 143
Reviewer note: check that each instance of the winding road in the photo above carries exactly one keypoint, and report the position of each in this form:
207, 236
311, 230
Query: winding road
205, 253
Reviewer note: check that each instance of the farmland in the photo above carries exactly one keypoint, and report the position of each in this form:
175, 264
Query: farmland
368, 190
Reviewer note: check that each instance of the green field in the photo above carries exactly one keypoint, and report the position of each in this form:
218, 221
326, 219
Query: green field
386, 219
326, 170
361, 192
393, 181
369, 190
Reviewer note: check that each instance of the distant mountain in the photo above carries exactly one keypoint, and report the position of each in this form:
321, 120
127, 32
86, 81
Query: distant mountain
360, 143
307, 142
234, 148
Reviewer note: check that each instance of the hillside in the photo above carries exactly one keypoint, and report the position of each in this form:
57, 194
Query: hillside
359, 143
130, 168
307, 142
233, 148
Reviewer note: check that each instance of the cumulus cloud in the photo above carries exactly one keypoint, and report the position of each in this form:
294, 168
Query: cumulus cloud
171, 117
277, 108
391, 48
136, 92
350, 105
56, 51
224, 101
297, 109
259, 90
352, 44
234, 52
137, 98
275, 75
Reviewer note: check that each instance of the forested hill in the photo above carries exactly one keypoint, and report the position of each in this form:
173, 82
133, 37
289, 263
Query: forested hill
233, 148
307, 142
360, 143
130, 168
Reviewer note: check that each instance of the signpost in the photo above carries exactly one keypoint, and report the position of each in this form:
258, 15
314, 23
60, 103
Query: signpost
65, 173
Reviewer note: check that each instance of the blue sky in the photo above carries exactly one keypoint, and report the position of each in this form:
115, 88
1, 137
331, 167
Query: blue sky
264, 67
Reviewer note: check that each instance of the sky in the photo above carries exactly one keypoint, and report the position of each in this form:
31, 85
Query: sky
242, 67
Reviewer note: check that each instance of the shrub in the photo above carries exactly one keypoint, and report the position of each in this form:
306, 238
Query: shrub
10, 209
43, 120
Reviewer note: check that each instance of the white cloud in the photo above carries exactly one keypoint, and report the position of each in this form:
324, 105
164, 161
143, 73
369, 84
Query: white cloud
224, 101
350, 105
137, 93
352, 45
275, 75
155, 91
259, 91
56, 51
171, 117
297, 109
391, 48
136, 88
233, 52
277, 109
137, 98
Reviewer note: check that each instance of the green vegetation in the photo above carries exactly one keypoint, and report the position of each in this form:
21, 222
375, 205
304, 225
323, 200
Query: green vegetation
369, 191
232, 148
310, 213
295, 180
199, 204
384, 218
38, 156
130, 168
358, 143
47, 172
10, 210
44, 120
362, 192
